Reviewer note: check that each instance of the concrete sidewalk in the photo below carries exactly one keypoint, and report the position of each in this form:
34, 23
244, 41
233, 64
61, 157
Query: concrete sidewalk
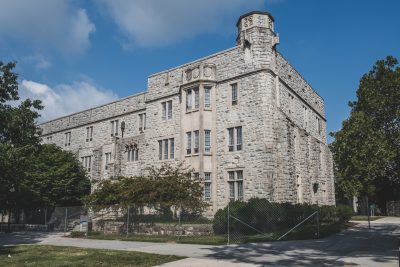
358, 246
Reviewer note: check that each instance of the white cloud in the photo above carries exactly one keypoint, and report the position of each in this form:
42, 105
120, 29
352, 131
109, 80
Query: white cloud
45, 23
39, 61
65, 99
156, 22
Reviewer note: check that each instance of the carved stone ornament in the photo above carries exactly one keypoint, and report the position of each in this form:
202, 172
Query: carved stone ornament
196, 73
188, 75
207, 71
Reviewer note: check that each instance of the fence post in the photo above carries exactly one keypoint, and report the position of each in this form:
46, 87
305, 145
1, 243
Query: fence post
369, 220
65, 220
45, 217
229, 215
318, 223
127, 223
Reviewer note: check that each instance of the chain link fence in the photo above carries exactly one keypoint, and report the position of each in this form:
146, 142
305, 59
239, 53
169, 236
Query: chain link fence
256, 220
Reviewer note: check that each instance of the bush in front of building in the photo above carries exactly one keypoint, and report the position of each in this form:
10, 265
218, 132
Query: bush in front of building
268, 217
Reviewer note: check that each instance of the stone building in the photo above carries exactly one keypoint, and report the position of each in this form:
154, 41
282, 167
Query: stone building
243, 118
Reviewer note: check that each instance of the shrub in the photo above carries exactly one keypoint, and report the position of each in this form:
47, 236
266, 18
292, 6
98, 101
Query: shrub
271, 217
76, 234
344, 213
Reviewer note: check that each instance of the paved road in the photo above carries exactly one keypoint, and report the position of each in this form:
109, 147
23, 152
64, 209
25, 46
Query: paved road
354, 247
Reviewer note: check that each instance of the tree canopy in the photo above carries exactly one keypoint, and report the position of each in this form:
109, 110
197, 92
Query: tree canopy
366, 150
32, 173
163, 188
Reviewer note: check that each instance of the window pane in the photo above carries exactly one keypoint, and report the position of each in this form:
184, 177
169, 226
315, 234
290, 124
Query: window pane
160, 150
169, 109
207, 141
234, 92
196, 98
231, 139
189, 142
116, 127
196, 141
164, 110
231, 190
144, 121
239, 175
231, 175
207, 191
240, 190
172, 148
239, 138
207, 176
207, 97
129, 155
112, 128
166, 149
189, 100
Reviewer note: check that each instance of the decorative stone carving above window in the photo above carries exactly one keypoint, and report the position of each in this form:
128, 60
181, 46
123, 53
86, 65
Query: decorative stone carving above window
199, 72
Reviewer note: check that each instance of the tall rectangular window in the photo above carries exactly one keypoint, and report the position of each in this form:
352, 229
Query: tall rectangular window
235, 181
319, 126
68, 139
196, 142
171, 148
231, 140
87, 162
107, 160
164, 110
133, 153
207, 97
234, 91
114, 128
89, 133
207, 141
160, 149
207, 186
165, 148
239, 138
169, 105
235, 138
188, 100
142, 122
188, 143
196, 98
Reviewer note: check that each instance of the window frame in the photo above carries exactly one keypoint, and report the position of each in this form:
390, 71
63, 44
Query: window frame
234, 93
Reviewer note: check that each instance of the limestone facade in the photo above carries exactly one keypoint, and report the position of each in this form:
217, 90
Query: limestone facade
257, 128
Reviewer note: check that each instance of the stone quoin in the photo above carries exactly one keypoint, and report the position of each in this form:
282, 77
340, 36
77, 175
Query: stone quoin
244, 119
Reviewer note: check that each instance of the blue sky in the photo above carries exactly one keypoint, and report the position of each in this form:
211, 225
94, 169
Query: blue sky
92, 52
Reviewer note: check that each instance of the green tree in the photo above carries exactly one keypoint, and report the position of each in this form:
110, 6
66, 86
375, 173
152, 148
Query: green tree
55, 177
164, 188
30, 173
366, 150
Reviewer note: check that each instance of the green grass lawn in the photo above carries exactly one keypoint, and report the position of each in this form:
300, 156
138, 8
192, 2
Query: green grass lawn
38, 255
365, 218
202, 240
